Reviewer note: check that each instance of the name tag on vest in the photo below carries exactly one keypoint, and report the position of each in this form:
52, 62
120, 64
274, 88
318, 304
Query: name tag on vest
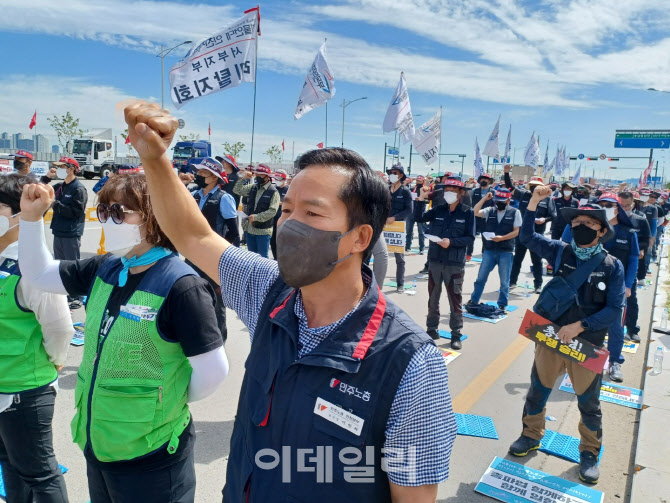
339, 416
138, 313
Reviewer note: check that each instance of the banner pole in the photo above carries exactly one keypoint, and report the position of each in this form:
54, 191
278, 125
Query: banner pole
253, 120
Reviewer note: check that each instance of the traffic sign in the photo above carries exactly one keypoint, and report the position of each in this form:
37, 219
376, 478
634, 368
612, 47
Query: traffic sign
642, 139
394, 152
603, 157
580, 156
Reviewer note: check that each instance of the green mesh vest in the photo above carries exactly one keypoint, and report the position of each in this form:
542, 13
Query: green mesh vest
132, 384
24, 364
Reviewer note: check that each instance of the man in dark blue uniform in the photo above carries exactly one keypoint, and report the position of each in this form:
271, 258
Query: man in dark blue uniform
454, 224
485, 182
565, 200
401, 208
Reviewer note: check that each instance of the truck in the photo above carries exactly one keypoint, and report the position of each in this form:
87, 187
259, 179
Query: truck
94, 151
184, 151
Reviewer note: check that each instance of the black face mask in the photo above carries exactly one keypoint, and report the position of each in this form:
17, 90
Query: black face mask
260, 180
583, 234
18, 165
483, 185
501, 205
200, 181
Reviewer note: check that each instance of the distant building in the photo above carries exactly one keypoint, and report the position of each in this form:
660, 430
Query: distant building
55, 149
5, 143
41, 143
24, 144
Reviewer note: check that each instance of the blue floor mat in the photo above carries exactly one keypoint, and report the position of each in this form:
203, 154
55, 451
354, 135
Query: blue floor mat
476, 426
78, 337
476, 259
563, 446
447, 335
510, 309
489, 320
3, 494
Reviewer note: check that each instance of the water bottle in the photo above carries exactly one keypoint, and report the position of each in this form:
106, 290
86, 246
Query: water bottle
527, 287
414, 284
664, 319
658, 361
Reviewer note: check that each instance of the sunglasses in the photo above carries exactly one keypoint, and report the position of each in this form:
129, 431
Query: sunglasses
115, 211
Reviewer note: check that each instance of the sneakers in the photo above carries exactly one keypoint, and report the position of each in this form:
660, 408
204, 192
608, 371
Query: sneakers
588, 467
420, 252
468, 258
635, 337
424, 271
538, 289
456, 341
615, 372
75, 304
523, 445
503, 308
512, 287
434, 334
400, 289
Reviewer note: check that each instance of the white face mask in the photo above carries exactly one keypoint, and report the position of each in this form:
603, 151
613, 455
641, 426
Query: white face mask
4, 224
644, 199
610, 213
393, 178
450, 197
629, 212
121, 238
61, 173
567, 193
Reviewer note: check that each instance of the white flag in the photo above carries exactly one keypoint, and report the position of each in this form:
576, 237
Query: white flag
479, 166
532, 155
224, 60
508, 145
426, 140
575, 179
557, 162
546, 160
566, 161
399, 114
491, 148
319, 85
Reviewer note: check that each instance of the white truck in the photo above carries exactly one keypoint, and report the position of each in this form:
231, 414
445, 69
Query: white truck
94, 151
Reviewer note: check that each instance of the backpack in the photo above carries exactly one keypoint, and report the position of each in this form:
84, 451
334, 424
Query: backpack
562, 293
484, 311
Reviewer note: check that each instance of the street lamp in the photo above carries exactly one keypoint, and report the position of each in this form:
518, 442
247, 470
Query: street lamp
162, 55
344, 105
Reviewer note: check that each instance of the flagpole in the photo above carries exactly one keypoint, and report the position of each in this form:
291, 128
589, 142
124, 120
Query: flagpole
439, 157
326, 142
253, 120
292, 156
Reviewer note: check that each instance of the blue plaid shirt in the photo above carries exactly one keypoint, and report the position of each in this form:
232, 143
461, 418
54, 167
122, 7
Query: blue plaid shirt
421, 415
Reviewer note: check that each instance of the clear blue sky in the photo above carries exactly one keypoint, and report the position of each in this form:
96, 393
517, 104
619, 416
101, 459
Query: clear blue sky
573, 71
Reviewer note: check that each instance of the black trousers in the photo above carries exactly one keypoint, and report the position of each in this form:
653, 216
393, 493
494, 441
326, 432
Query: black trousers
632, 312
29, 467
519, 255
67, 249
173, 484
219, 307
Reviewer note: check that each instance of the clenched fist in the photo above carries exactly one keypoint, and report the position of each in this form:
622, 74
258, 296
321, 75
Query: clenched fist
150, 129
36, 201
541, 192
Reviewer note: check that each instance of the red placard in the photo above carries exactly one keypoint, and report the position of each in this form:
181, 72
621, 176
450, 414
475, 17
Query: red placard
542, 331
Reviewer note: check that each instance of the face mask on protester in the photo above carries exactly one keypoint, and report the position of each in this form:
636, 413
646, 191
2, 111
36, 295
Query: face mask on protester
61, 173
121, 238
567, 193
298, 268
583, 234
450, 197
200, 181
393, 178
501, 205
19, 165
260, 180
644, 199
4, 224
629, 212
609, 212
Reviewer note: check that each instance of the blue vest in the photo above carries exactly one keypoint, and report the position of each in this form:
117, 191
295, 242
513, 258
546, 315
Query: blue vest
505, 226
336, 397
619, 246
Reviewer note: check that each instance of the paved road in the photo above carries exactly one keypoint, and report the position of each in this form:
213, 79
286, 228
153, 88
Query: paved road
490, 378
